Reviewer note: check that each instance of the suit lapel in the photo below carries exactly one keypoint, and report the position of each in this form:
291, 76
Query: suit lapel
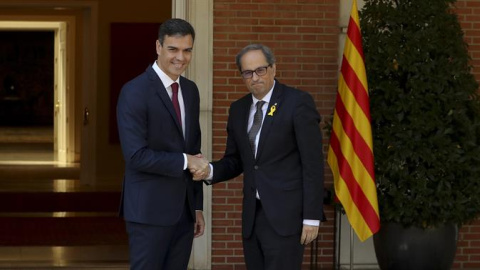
162, 93
273, 106
188, 105
245, 114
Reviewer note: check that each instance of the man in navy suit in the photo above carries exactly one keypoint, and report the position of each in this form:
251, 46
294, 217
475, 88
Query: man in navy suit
274, 138
158, 123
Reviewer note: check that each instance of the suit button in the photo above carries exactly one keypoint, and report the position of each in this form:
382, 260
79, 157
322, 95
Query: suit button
255, 167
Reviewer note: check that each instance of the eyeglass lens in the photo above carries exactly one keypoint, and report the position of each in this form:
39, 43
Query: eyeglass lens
259, 71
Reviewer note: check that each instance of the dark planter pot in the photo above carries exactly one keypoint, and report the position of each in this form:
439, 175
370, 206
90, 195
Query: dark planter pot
399, 248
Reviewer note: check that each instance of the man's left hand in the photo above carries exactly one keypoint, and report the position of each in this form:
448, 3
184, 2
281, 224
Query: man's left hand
199, 224
309, 233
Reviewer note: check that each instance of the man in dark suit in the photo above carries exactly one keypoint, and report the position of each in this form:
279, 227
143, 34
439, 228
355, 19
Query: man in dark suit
274, 138
158, 123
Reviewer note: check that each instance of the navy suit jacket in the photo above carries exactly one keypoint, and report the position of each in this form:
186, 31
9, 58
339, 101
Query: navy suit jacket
155, 186
288, 168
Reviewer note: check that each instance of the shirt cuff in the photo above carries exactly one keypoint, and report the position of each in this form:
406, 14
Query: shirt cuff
185, 161
210, 175
311, 222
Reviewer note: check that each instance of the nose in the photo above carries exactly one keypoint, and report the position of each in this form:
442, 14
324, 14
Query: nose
255, 77
181, 55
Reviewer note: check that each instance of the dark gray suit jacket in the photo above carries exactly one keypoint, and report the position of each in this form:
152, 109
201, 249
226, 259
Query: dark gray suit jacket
288, 168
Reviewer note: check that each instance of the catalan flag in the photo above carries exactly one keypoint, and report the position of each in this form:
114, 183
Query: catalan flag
350, 154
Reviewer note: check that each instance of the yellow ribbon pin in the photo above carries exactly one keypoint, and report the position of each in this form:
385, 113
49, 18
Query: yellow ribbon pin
272, 109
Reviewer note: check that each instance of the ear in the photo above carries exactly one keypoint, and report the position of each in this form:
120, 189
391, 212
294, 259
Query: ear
158, 47
274, 69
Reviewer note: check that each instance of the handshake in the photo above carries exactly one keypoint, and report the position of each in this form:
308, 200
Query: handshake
198, 166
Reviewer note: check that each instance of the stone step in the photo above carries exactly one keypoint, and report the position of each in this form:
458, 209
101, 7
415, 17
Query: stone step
38, 170
79, 201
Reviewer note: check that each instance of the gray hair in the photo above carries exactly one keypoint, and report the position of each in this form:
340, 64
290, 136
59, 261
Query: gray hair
253, 47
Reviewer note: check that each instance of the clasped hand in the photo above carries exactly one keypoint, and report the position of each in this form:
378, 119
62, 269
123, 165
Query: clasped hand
198, 166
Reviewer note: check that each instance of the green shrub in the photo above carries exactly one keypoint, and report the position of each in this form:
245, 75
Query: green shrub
425, 112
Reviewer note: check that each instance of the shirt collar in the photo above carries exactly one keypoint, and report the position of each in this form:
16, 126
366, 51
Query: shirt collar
167, 81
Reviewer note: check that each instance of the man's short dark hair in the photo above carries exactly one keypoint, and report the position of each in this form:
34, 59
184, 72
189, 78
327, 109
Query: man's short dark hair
175, 27
254, 47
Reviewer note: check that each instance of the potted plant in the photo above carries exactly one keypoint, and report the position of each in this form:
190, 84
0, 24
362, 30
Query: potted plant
425, 115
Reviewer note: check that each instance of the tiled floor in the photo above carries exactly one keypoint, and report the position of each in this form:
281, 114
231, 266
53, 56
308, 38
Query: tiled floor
33, 134
32, 152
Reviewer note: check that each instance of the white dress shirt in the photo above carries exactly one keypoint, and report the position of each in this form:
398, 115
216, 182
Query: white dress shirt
167, 83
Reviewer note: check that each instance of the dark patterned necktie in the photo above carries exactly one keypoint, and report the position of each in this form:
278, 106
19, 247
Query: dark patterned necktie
257, 124
176, 105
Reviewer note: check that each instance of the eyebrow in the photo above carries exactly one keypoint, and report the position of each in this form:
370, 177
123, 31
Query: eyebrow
257, 68
186, 49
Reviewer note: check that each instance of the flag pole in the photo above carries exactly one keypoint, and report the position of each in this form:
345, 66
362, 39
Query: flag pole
338, 237
351, 247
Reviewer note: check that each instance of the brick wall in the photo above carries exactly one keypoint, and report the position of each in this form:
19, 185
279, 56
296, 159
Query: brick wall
304, 37
468, 247
469, 15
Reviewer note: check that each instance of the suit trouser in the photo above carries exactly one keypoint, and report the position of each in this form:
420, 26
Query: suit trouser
161, 247
267, 250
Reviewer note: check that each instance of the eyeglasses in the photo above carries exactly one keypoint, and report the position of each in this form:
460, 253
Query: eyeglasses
247, 74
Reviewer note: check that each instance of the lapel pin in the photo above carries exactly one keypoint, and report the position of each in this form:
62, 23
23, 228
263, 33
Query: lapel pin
272, 109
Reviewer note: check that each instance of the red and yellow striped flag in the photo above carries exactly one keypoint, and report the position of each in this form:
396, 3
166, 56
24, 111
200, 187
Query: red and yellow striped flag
350, 154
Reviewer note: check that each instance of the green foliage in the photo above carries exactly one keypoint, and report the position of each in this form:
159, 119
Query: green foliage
425, 112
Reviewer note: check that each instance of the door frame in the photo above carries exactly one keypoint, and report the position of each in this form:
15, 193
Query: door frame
80, 141
61, 106
200, 70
